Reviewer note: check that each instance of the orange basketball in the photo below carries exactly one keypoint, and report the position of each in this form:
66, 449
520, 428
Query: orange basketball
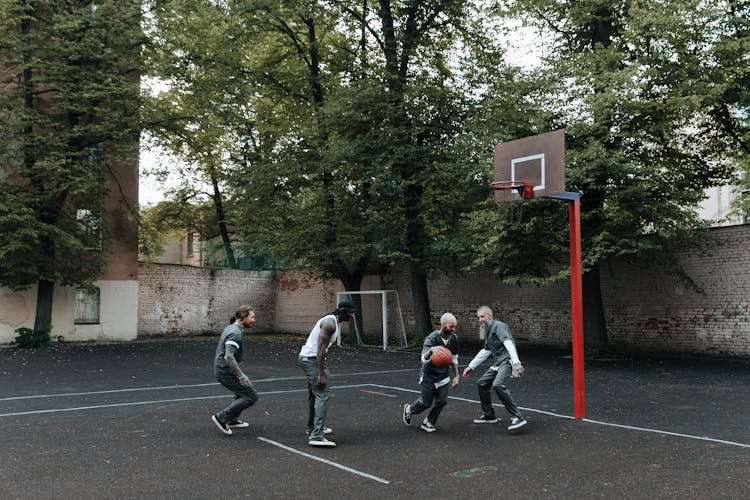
442, 357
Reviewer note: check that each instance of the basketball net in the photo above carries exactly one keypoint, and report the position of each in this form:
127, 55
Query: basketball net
514, 207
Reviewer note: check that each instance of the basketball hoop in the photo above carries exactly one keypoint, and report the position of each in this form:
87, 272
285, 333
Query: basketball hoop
524, 189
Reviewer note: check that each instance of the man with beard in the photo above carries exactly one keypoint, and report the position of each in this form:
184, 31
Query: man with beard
498, 343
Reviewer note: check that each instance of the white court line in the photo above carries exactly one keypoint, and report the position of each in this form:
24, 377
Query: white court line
313, 457
557, 415
702, 438
161, 401
609, 424
187, 386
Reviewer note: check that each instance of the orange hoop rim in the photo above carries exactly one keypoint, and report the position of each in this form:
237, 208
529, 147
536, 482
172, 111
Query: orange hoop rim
525, 190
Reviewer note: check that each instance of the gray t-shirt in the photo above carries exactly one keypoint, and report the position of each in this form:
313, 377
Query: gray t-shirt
231, 335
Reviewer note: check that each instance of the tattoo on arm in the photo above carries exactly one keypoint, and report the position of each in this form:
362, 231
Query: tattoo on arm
231, 360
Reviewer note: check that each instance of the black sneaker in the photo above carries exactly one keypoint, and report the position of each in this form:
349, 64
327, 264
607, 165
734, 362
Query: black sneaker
224, 428
516, 423
484, 419
237, 424
406, 416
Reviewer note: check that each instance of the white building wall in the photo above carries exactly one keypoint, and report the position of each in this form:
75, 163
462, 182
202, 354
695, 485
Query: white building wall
718, 205
118, 313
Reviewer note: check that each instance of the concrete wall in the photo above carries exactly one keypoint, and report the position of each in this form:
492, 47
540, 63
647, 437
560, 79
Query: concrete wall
118, 304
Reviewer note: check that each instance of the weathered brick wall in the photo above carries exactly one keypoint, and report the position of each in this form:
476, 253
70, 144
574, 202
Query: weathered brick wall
645, 307
658, 312
184, 300
301, 299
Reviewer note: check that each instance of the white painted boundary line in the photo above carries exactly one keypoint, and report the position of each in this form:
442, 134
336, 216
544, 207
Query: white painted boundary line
137, 403
657, 431
188, 386
621, 426
329, 462
160, 401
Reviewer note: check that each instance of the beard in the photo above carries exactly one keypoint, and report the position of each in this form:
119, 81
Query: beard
482, 332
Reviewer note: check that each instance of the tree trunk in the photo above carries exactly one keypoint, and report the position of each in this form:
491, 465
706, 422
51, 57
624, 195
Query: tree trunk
352, 282
221, 217
594, 323
44, 295
421, 299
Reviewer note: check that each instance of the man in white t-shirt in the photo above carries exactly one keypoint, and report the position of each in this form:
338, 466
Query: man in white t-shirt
312, 359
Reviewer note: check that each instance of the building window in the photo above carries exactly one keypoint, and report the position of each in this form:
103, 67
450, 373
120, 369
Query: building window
189, 250
94, 156
91, 229
87, 306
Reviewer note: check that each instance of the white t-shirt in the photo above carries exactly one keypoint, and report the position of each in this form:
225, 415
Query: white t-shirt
310, 349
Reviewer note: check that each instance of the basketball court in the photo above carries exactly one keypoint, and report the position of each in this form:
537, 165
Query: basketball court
133, 421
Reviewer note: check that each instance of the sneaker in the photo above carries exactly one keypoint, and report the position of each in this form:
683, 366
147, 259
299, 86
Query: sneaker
427, 426
326, 430
222, 426
516, 422
237, 424
323, 442
406, 416
484, 419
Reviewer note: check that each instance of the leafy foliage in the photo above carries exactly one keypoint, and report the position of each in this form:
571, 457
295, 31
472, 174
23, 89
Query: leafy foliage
32, 339
68, 102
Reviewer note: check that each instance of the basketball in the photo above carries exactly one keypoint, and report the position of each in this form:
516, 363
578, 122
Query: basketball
442, 357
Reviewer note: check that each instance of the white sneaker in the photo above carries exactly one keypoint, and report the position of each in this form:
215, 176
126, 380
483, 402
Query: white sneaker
238, 424
326, 430
323, 442
516, 422
427, 426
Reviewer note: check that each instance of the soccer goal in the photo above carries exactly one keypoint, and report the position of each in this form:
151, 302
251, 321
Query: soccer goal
378, 322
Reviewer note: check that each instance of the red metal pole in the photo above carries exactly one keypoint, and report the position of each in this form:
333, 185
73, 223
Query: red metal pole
576, 302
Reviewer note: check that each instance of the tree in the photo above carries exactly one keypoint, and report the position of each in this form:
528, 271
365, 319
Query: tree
642, 108
195, 118
69, 99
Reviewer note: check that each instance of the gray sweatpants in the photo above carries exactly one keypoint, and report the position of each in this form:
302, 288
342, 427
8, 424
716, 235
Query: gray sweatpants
317, 399
430, 393
244, 397
495, 380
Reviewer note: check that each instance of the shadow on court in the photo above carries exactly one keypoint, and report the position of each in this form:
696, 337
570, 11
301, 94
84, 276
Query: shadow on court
133, 421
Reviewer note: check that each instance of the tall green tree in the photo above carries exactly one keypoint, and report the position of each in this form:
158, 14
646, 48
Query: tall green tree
196, 117
648, 107
69, 99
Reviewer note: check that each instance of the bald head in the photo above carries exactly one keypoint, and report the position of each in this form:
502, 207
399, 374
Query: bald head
447, 318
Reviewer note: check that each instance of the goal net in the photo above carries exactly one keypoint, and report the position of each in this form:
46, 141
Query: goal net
378, 322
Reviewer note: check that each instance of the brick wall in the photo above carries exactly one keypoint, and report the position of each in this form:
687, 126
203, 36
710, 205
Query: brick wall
645, 307
661, 313
185, 300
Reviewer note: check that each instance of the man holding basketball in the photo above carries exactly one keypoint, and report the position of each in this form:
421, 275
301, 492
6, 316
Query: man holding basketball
434, 380
312, 359
498, 343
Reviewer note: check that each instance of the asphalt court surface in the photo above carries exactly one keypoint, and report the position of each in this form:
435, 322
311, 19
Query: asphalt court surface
133, 421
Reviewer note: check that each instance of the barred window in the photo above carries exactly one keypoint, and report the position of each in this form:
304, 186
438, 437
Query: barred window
91, 229
189, 248
87, 306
